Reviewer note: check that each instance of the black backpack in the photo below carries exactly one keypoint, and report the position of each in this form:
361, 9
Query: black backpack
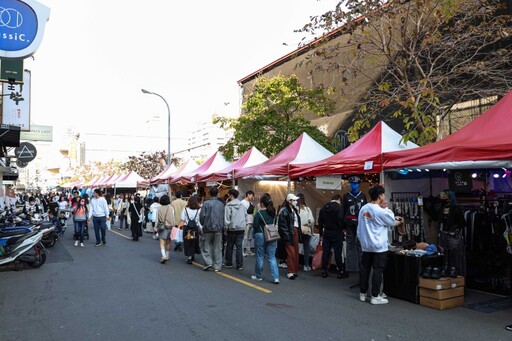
191, 223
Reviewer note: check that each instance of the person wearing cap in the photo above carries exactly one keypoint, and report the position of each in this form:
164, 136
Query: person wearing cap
372, 232
352, 202
288, 224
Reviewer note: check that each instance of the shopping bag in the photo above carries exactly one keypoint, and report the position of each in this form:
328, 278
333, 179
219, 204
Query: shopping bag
108, 225
179, 239
174, 233
317, 257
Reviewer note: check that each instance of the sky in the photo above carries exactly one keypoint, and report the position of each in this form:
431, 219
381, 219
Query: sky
97, 55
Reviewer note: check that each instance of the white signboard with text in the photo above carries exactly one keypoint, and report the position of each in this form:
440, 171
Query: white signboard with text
16, 103
332, 182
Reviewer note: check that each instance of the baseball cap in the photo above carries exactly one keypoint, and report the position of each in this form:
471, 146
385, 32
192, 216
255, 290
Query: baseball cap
291, 196
354, 179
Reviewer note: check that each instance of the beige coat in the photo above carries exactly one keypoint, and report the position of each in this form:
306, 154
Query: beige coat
166, 215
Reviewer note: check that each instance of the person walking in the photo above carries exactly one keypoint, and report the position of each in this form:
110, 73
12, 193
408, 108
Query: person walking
121, 212
372, 232
153, 214
179, 204
266, 215
211, 218
191, 228
249, 206
165, 216
331, 233
307, 222
99, 213
136, 212
235, 223
80, 214
288, 223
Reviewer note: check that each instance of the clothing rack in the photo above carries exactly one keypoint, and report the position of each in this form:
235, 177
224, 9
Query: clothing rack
408, 205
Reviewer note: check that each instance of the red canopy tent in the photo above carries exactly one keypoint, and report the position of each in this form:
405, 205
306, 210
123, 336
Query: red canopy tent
215, 163
252, 157
303, 149
363, 156
163, 175
486, 138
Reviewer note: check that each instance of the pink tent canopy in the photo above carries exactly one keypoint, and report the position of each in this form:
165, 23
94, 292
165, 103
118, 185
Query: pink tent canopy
215, 163
91, 182
164, 175
188, 166
250, 158
304, 149
363, 156
486, 138
114, 179
130, 181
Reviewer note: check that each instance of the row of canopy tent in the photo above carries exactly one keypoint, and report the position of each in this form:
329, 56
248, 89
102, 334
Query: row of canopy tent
129, 180
486, 142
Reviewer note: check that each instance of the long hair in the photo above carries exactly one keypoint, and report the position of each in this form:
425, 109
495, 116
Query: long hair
266, 202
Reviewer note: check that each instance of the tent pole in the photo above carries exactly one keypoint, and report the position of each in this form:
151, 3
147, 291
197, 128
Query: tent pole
288, 177
381, 181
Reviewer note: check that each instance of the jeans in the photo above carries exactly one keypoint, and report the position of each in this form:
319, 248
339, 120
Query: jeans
306, 239
79, 230
235, 239
332, 239
377, 262
265, 249
122, 219
100, 224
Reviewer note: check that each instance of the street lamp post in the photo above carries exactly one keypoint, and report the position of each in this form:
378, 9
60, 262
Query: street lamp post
168, 123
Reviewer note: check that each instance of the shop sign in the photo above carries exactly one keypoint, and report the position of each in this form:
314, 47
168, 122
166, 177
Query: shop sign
26, 152
460, 181
21, 27
16, 103
11, 70
38, 133
331, 182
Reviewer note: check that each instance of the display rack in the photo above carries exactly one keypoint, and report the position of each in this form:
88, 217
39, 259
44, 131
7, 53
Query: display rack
409, 206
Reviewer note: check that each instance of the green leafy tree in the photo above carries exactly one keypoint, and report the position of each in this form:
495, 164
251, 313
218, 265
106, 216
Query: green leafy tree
273, 117
418, 57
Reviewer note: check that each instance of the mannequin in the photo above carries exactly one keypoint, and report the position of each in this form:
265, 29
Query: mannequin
352, 203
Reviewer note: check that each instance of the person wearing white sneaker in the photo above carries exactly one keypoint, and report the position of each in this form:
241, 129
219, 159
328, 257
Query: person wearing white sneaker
307, 222
76, 243
372, 231
80, 214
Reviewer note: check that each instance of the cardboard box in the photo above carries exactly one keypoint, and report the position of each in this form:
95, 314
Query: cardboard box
442, 294
442, 304
442, 283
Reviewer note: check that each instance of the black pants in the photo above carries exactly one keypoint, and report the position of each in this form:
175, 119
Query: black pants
235, 239
332, 239
377, 262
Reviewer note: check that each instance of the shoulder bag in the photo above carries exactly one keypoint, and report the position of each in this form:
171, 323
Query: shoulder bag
161, 225
270, 231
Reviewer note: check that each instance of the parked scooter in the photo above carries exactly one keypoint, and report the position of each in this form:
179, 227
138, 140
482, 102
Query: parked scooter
21, 246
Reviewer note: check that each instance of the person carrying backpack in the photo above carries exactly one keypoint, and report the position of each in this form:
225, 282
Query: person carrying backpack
235, 223
191, 228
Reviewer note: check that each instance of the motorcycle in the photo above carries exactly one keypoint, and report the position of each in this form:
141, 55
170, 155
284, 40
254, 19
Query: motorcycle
21, 245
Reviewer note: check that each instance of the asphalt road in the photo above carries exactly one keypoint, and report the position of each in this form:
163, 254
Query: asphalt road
121, 292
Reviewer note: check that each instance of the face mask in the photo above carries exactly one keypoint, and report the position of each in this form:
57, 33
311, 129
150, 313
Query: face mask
294, 203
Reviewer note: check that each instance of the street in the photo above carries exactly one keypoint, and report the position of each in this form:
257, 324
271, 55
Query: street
121, 292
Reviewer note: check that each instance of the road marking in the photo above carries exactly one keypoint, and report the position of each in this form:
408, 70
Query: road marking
120, 234
241, 281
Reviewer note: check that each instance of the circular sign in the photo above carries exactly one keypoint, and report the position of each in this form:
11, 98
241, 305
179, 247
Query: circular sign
21, 164
26, 152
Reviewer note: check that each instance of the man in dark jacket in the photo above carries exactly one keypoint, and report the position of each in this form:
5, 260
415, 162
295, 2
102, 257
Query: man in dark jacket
331, 232
211, 218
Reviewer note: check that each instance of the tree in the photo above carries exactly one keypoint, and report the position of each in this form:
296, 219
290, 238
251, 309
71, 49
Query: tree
429, 55
147, 165
94, 169
273, 117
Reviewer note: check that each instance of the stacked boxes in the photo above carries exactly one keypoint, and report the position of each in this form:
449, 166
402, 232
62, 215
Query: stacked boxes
444, 293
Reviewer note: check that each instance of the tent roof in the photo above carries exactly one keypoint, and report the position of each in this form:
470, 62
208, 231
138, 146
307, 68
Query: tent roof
90, 182
250, 158
130, 181
114, 179
169, 170
363, 156
215, 163
304, 149
186, 167
486, 138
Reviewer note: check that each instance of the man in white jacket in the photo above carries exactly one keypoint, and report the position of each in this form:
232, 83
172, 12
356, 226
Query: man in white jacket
372, 232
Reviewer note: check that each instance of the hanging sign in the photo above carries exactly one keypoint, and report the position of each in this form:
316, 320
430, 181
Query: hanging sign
21, 27
460, 181
26, 152
332, 182
16, 103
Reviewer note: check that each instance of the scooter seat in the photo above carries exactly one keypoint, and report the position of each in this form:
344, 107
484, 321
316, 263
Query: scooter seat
14, 240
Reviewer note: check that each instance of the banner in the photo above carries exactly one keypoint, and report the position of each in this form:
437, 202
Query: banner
332, 182
16, 103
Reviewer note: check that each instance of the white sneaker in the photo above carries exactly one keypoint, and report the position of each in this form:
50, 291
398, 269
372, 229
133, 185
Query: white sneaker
76, 243
307, 268
378, 300
362, 297
81, 244
254, 278
283, 265
383, 295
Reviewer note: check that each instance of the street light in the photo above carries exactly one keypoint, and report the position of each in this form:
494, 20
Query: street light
144, 91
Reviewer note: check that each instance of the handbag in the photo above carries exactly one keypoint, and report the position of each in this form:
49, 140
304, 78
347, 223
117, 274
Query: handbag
161, 224
270, 231
317, 257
